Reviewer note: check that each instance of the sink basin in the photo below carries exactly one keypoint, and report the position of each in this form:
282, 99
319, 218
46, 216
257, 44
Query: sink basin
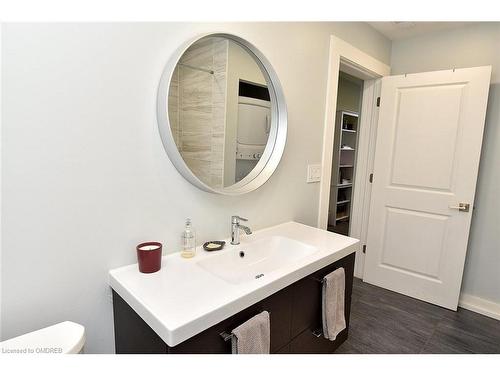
254, 260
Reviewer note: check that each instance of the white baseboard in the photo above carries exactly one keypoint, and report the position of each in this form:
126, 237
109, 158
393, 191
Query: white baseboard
480, 306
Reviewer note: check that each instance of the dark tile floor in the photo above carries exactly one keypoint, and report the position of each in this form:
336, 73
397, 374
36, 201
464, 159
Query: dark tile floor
387, 322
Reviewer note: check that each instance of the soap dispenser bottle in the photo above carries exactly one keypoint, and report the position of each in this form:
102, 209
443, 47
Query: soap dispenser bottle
188, 241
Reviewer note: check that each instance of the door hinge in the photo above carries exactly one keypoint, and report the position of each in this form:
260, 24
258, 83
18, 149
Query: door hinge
364, 249
378, 101
371, 178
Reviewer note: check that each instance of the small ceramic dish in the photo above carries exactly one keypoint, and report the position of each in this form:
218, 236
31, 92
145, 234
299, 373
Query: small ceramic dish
214, 245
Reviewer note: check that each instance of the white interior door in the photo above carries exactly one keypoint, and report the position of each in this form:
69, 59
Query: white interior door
429, 137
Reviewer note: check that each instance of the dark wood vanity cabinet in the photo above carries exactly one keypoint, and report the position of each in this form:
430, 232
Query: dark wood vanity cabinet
295, 314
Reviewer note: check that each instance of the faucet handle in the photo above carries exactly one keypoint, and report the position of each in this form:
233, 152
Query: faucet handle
235, 219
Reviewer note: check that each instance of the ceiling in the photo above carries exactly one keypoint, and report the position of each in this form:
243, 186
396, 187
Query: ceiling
402, 30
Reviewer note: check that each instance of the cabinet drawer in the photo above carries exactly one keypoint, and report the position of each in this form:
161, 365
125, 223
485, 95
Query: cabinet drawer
210, 342
279, 306
306, 305
132, 334
207, 342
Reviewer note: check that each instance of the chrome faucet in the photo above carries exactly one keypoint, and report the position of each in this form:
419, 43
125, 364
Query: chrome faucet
235, 229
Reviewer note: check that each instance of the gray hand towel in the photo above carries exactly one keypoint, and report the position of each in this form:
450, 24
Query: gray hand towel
333, 304
253, 336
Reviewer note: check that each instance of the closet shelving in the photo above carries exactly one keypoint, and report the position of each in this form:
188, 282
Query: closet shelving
344, 160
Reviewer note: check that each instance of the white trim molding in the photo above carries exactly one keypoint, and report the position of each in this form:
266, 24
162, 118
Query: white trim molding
357, 60
480, 305
361, 193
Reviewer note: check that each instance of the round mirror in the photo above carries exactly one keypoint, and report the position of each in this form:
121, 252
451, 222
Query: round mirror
222, 114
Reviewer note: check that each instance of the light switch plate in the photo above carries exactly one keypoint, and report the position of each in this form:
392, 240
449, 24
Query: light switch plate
313, 173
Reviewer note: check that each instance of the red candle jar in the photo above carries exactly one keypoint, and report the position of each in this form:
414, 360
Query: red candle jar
149, 256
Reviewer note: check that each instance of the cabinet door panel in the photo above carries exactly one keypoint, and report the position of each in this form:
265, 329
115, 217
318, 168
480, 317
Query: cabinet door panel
284, 350
207, 342
309, 343
307, 297
279, 306
132, 334
306, 305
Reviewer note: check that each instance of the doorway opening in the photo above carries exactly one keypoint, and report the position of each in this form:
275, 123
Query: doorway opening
350, 164
345, 147
350, 69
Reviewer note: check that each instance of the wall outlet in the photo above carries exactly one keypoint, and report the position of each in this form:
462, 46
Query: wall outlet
313, 173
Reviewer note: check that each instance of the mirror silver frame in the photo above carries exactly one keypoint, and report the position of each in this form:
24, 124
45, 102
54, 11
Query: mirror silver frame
277, 136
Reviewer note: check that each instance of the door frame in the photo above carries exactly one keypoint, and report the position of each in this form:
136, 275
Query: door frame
360, 64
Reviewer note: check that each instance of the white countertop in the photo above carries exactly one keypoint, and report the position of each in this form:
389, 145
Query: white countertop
182, 299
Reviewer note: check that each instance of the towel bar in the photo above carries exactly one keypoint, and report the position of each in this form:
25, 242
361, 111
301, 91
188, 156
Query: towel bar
318, 280
321, 281
317, 332
228, 336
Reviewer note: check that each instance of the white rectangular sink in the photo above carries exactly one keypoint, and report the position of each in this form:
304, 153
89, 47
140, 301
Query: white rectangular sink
256, 259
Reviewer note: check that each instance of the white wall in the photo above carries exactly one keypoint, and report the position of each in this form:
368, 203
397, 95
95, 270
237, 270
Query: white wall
473, 45
85, 177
